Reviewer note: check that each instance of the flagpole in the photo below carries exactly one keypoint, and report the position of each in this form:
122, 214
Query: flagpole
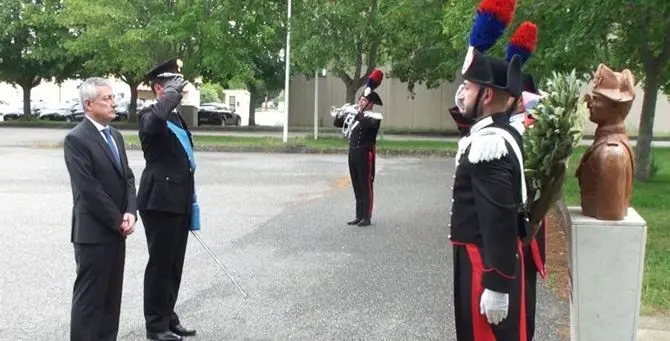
287, 58
316, 105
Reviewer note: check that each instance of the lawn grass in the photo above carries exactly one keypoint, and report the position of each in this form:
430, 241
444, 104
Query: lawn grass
321, 144
651, 200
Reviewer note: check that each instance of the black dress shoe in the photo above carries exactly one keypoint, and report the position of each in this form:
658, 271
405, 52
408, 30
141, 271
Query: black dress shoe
354, 222
180, 330
164, 336
364, 222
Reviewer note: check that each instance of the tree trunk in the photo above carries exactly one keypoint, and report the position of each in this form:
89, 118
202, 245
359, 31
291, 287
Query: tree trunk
27, 110
351, 92
646, 130
132, 108
253, 92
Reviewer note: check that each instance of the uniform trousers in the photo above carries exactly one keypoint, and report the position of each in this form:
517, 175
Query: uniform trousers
362, 173
471, 325
167, 235
534, 254
96, 299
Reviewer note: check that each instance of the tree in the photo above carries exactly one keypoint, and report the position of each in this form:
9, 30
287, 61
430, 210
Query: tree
128, 38
344, 36
256, 39
640, 40
210, 92
419, 51
30, 45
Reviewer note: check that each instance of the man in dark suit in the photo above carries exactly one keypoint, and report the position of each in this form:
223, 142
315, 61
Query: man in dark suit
165, 200
103, 213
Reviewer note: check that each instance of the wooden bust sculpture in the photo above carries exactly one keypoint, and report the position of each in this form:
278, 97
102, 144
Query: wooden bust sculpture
605, 173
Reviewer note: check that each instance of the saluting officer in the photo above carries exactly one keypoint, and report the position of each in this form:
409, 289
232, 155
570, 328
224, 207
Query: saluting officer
486, 226
165, 200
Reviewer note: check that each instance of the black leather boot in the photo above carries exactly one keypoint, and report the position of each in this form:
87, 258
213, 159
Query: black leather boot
354, 222
182, 331
364, 222
164, 336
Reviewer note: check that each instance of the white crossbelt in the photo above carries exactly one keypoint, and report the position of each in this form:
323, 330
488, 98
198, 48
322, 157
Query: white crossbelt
515, 147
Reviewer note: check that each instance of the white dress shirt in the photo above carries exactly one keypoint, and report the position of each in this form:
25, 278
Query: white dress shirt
100, 127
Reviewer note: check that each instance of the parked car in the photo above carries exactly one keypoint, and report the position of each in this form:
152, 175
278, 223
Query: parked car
14, 111
217, 114
57, 112
4, 109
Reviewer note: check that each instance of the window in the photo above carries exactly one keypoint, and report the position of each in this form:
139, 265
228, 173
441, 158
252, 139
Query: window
231, 102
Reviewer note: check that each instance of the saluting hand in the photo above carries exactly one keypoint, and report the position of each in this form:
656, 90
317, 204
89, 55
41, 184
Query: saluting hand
128, 224
177, 82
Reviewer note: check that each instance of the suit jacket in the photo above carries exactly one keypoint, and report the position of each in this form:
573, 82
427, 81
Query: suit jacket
167, 181
102, 191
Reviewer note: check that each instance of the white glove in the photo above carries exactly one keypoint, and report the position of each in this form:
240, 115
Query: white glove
494, 305
458, 99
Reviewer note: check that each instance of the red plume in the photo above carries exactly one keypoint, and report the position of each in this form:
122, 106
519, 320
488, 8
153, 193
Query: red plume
501, 9
377, 75
525, 36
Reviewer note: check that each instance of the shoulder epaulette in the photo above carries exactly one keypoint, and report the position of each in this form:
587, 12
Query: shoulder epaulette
375, 115
487, 145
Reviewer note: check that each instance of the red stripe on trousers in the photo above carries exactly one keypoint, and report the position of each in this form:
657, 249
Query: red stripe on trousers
523, 336
481, 331
371, 158
535, 251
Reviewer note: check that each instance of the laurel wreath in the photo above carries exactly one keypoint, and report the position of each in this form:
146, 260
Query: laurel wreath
551, 140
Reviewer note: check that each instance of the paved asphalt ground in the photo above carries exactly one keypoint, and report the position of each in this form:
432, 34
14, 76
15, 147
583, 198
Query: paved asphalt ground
277, 222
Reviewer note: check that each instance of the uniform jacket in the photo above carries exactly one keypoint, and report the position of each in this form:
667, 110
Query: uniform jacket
167, 181
102, 191
487, 199
363, 129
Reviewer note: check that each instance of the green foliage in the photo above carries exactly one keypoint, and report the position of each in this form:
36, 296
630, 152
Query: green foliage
30, 45
550, 141
211, 92
418, 50
351, 37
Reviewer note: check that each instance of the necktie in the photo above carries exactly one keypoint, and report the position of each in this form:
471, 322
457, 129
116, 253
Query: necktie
110, 144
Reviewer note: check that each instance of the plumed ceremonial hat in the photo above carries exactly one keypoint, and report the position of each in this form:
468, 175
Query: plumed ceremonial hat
374, 80
166, 69
374, 98
476, 68
491, 19
529, 84
507, 75
523, 42
494, 72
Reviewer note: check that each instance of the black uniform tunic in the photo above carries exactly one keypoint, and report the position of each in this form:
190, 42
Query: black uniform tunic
485, 229
362, 134
165, 204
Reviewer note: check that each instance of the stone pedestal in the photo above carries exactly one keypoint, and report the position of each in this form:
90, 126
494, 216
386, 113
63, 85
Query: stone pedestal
606, 261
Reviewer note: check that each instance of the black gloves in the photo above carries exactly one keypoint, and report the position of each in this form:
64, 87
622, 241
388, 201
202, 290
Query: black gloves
177, 82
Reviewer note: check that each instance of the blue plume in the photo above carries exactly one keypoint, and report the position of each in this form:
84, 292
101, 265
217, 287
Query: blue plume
486, 30
513, 49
